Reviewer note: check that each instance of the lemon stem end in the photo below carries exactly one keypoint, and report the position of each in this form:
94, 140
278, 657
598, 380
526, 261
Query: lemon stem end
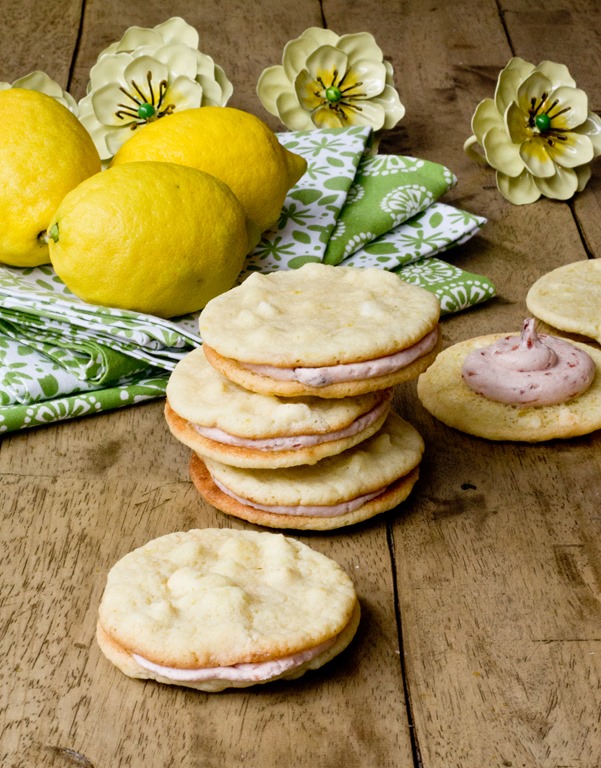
52, 233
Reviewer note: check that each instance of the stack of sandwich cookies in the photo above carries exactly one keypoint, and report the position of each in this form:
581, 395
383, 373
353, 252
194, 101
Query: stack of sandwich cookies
287, 405
217, 608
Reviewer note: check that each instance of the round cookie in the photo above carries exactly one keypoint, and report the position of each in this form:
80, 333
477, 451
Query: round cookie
443, 392
223, 421
321, 330
569, 298
217, 608
338, 491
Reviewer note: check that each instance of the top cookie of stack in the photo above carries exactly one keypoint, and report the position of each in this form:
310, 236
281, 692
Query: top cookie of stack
288, 424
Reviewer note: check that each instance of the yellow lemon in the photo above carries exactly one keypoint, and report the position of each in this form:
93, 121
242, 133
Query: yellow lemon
44, 153
158, 238
232, 145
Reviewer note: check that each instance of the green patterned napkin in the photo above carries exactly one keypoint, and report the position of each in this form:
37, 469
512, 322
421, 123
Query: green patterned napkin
387, 191
39, 303
432, 231
456, 289
61, 358
82, 403
30, 373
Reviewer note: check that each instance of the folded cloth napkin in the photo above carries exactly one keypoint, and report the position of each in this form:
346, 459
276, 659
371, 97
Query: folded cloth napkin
65, 405
61, 357
373, 211
387, 190
429, 232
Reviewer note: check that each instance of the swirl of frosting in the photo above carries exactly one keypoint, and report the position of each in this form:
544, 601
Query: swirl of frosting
529, 369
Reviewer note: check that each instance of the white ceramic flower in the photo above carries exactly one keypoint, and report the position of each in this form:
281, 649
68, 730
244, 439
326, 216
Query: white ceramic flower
40, 81
327, 81
537, 132
147, 74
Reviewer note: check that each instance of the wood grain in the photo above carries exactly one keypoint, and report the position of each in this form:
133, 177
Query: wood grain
78, 496
65, 527
481, 594
498, 558
499, 569
39, 36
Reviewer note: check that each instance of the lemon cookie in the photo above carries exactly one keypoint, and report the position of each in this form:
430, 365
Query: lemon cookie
569, 298
217, 608
221, 420
522, 387
340, 490
321, 330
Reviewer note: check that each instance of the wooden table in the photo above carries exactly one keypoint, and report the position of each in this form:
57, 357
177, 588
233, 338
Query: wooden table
480, 644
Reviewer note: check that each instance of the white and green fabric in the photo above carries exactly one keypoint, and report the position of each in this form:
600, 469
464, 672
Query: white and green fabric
313, 206
61, 358
387, 191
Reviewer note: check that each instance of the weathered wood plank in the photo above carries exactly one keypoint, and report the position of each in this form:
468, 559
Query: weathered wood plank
38, 36
446, 58
242, 38
498, 560
499, 569
79, 495
65, 522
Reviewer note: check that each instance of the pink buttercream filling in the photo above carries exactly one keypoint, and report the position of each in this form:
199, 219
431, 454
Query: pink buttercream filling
296, 441
237, 673
333, 374
306, 510
529, 369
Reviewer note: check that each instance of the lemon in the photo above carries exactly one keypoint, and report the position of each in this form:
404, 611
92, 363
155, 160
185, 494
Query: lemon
153, 237
234, 146
44, 152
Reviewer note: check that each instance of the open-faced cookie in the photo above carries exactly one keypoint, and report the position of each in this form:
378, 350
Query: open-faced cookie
544, 401
340, 490
321, 330
221, 420
569, 298
218, 608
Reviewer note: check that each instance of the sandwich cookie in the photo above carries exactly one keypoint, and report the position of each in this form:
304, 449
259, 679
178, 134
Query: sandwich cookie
321, 330
525, 387
340, 490
221, 420
569, 298
217, 608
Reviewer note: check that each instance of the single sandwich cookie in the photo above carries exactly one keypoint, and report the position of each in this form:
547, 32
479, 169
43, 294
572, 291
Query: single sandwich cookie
569, 298
321, 330
524, 387
218, 608
340, 490
221, 420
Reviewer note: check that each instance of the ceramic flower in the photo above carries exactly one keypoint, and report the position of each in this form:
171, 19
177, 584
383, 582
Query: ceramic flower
146, 75
327, 81
537, 132
40, 81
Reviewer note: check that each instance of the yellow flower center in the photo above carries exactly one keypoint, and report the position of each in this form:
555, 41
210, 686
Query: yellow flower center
541, 122
147, 104
338, 96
